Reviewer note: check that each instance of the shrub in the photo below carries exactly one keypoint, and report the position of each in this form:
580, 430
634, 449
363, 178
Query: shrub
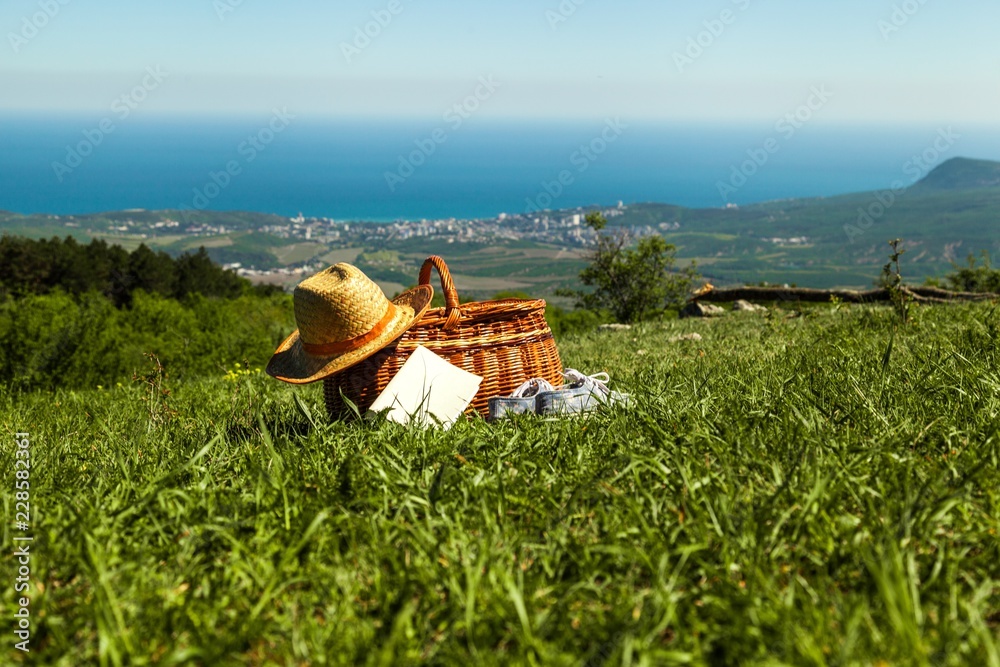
632, 283
975, 278
57, 340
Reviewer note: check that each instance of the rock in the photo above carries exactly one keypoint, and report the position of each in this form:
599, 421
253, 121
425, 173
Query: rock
614, 327
740, 304
694, 337
696, 309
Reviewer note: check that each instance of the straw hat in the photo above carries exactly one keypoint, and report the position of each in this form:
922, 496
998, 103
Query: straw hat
343, 318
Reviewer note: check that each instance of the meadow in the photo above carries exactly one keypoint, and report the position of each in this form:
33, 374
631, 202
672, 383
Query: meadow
797, 488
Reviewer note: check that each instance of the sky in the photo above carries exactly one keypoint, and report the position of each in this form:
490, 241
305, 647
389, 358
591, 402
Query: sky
726, 61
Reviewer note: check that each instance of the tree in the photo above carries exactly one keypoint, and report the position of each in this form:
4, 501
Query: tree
28, 267
76, 268
24, 266
197, 274
117, 286
633, 283
150, 271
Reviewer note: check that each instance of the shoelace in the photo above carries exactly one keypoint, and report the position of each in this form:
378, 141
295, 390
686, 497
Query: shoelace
532, 387
575, 378
572, 378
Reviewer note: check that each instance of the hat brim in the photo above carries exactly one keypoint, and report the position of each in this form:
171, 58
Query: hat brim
291, 363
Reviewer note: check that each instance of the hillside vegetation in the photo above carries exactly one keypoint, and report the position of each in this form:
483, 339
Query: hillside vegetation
821, 489
34, 267
839, 241
812, 242
962, 174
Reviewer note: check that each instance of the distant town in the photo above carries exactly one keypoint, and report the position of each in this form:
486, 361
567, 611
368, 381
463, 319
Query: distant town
821, 242
565, 228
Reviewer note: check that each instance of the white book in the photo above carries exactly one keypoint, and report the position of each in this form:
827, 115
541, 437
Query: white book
427, 390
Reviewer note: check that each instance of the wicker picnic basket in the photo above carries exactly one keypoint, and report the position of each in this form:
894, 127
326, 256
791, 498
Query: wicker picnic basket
506, 342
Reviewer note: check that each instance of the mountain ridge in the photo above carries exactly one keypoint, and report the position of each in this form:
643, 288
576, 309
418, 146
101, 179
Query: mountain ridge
961, 173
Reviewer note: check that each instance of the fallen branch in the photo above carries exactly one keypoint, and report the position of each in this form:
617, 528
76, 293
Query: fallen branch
806, 294
947, 295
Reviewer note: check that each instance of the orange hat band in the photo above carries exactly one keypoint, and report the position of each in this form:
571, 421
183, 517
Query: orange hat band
351, 344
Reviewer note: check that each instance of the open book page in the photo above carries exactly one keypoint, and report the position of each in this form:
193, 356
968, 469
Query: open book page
428, 390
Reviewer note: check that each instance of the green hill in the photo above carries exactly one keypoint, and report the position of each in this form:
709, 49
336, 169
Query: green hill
840, 241
962, 174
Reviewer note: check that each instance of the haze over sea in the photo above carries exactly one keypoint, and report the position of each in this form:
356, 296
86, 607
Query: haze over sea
482, 168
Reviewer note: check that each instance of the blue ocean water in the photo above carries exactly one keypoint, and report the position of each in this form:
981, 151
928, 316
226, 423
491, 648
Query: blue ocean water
386, 170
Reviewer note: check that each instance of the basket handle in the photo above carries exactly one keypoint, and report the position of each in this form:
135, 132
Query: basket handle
447, 284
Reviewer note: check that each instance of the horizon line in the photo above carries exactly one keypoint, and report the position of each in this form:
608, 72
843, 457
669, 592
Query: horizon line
369, 118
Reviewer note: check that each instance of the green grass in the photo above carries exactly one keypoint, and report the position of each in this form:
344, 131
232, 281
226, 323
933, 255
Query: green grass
789, 491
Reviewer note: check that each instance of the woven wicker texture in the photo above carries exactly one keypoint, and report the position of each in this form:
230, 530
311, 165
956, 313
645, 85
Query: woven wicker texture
342, 318
505, 342
337, 304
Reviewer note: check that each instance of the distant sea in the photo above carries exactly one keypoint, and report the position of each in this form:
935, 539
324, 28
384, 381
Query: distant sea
338, 169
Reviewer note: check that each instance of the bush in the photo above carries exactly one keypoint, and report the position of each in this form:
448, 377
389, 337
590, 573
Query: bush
57, 340
564, 322
632, 283
975, 278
